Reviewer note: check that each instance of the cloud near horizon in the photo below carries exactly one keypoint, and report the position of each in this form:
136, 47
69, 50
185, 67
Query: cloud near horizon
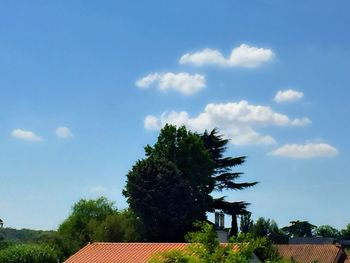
243, 56
236, 120
288, 96
305, 151
63, 133
182, 82
25, 135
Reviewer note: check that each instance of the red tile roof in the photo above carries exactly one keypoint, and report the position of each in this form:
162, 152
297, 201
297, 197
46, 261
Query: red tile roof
121, 252
307, 253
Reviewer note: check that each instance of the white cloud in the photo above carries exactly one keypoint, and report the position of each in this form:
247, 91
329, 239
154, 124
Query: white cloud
151, 123
243, 56
305, 151
25, 135
288, 96
63, 133
183, 82
98, 189
237, 120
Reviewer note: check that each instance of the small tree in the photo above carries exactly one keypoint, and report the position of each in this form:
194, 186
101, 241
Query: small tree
268, 228
345, 233
246, 223
327, 231
86, 215
299, 229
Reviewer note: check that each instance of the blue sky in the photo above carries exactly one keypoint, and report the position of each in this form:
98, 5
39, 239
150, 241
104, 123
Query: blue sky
86, 84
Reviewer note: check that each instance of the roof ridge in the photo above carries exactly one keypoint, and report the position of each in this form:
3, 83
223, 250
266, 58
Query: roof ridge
136, 243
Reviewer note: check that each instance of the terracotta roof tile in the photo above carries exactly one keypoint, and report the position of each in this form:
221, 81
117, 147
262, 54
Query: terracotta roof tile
307, 253
121, 252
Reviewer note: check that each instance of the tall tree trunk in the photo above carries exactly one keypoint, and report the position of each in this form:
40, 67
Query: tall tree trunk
234, 226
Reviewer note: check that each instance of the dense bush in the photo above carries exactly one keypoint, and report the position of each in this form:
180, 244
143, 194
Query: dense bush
28, 254
205, 248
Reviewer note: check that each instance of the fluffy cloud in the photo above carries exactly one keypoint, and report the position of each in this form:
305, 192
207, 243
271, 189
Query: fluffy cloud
25, 135
288, 96
237, 120
243, 56
151, 123
305, 151
183, 82
63, 133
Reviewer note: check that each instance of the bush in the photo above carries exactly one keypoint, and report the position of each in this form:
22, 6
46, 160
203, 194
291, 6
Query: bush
28, 254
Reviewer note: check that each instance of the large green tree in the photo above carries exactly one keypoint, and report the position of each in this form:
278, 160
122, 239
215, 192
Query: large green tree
187, 151
225, 178
84, 218
198, 166
93, 220
327, 231
162, 199
170, 189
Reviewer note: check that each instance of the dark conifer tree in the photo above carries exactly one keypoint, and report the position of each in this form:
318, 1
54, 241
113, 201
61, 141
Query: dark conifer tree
224, 178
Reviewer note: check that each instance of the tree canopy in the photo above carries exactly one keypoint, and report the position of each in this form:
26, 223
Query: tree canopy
327, 231
94, 220
171, 187
299, 229
162, 199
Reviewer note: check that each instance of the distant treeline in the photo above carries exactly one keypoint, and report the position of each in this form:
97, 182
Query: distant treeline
13, 235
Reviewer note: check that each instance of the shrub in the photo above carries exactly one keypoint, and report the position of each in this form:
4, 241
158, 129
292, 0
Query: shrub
28, 253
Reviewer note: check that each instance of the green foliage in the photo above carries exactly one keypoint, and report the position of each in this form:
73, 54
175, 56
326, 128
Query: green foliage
173, 256
170, 189
206, 235
268, 228
246, 223
261, 246
92, 220
162, 199
85, 216
224, 178
187, 151
299, 229
120, 227
327, 231
22, 235
28, 254
205, 248
345, 233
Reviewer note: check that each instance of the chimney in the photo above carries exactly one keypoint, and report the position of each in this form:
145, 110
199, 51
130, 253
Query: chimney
219, 220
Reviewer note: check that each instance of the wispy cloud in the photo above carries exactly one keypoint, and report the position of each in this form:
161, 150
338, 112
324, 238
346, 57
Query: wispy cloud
183, 82
288, 96
25, 135
243, 56
63, 133
305, 151
237, 120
